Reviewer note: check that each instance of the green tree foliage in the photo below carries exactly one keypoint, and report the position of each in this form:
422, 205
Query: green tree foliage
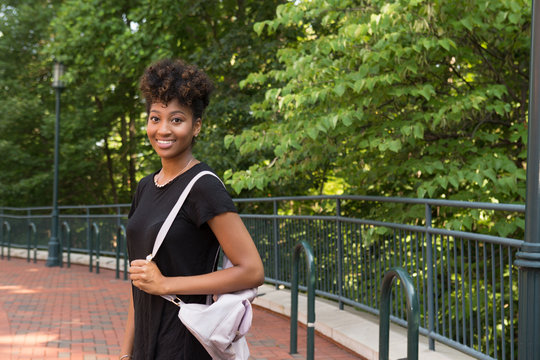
403, 98
26, 124
105, 46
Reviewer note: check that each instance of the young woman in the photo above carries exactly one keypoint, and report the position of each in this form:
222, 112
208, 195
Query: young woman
176, 95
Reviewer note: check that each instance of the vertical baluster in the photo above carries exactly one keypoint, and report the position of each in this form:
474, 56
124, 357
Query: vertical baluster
362, 285
486, 301
463, 295
456, 290
339, 253
436, 285
394, 295
511, 300
471, 317
425, 281
430, 276
494, 300
275, 239
501, 279
478, 315
443, 296
449, 289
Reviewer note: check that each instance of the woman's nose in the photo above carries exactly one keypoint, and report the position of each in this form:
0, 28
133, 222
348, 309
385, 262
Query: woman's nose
163, 128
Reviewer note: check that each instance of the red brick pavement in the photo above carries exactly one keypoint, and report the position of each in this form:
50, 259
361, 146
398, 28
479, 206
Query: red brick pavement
59, 313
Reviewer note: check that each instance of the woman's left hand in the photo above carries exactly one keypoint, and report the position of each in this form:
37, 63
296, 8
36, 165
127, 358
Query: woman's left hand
146, 276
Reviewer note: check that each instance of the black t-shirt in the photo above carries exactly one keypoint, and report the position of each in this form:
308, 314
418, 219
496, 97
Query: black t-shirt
189, 248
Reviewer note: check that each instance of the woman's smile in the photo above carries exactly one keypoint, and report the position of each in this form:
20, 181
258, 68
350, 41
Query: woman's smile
165, 144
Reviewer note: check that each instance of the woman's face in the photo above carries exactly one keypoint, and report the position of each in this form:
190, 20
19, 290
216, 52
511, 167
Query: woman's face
171, 129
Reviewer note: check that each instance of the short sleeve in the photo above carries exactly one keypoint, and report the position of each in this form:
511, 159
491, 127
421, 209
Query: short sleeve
136, 197
207, 199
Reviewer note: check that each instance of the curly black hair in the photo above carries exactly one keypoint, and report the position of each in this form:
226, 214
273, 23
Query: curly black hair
168, 79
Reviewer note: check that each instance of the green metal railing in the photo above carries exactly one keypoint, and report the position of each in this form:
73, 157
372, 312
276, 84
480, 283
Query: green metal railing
413, 313
310, 262
466, 281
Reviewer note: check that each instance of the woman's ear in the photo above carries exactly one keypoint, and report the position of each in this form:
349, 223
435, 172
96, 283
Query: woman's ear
197, 127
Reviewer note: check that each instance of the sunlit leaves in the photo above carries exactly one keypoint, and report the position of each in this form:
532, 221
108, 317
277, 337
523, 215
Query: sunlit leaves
425, 91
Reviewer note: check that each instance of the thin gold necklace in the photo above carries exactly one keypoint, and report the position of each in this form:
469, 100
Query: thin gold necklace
181, 171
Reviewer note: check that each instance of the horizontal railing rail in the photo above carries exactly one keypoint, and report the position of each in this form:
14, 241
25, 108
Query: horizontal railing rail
432, 202
466, 280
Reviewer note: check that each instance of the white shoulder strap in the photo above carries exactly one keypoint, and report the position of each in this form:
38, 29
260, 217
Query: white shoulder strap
172, 215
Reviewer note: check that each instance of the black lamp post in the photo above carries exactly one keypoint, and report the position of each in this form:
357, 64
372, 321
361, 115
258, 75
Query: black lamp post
53, 258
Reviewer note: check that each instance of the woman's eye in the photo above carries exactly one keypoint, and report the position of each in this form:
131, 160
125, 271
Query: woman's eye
177, 120
154, 118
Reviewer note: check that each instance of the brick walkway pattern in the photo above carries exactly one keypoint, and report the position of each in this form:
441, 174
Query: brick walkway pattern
59, 313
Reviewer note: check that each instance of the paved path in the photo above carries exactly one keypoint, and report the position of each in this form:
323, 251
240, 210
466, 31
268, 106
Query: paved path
60, 313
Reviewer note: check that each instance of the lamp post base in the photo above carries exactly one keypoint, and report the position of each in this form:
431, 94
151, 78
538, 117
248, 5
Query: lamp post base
528, 262
54, 251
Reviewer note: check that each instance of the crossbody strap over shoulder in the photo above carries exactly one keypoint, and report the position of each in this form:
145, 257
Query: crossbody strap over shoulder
172, 215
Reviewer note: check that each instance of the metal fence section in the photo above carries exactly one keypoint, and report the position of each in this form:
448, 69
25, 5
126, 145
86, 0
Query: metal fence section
78, 219
466, 281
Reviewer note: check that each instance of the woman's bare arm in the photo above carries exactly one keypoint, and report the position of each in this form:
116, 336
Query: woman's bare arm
129, 334
247, 270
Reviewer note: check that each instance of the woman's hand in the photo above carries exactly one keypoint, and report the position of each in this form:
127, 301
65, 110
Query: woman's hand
146, 276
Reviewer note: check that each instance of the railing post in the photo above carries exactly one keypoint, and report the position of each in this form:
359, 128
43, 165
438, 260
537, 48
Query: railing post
35, 242
430, 291
67, 231
276, 248
60, 247
88, 230
126, 259
528, 257
339, 254
413, 313
28, 240
95, 241
98, 246
31, 236
120, 241
28, 234
7, 227
310, 299
90, 241
118, 215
